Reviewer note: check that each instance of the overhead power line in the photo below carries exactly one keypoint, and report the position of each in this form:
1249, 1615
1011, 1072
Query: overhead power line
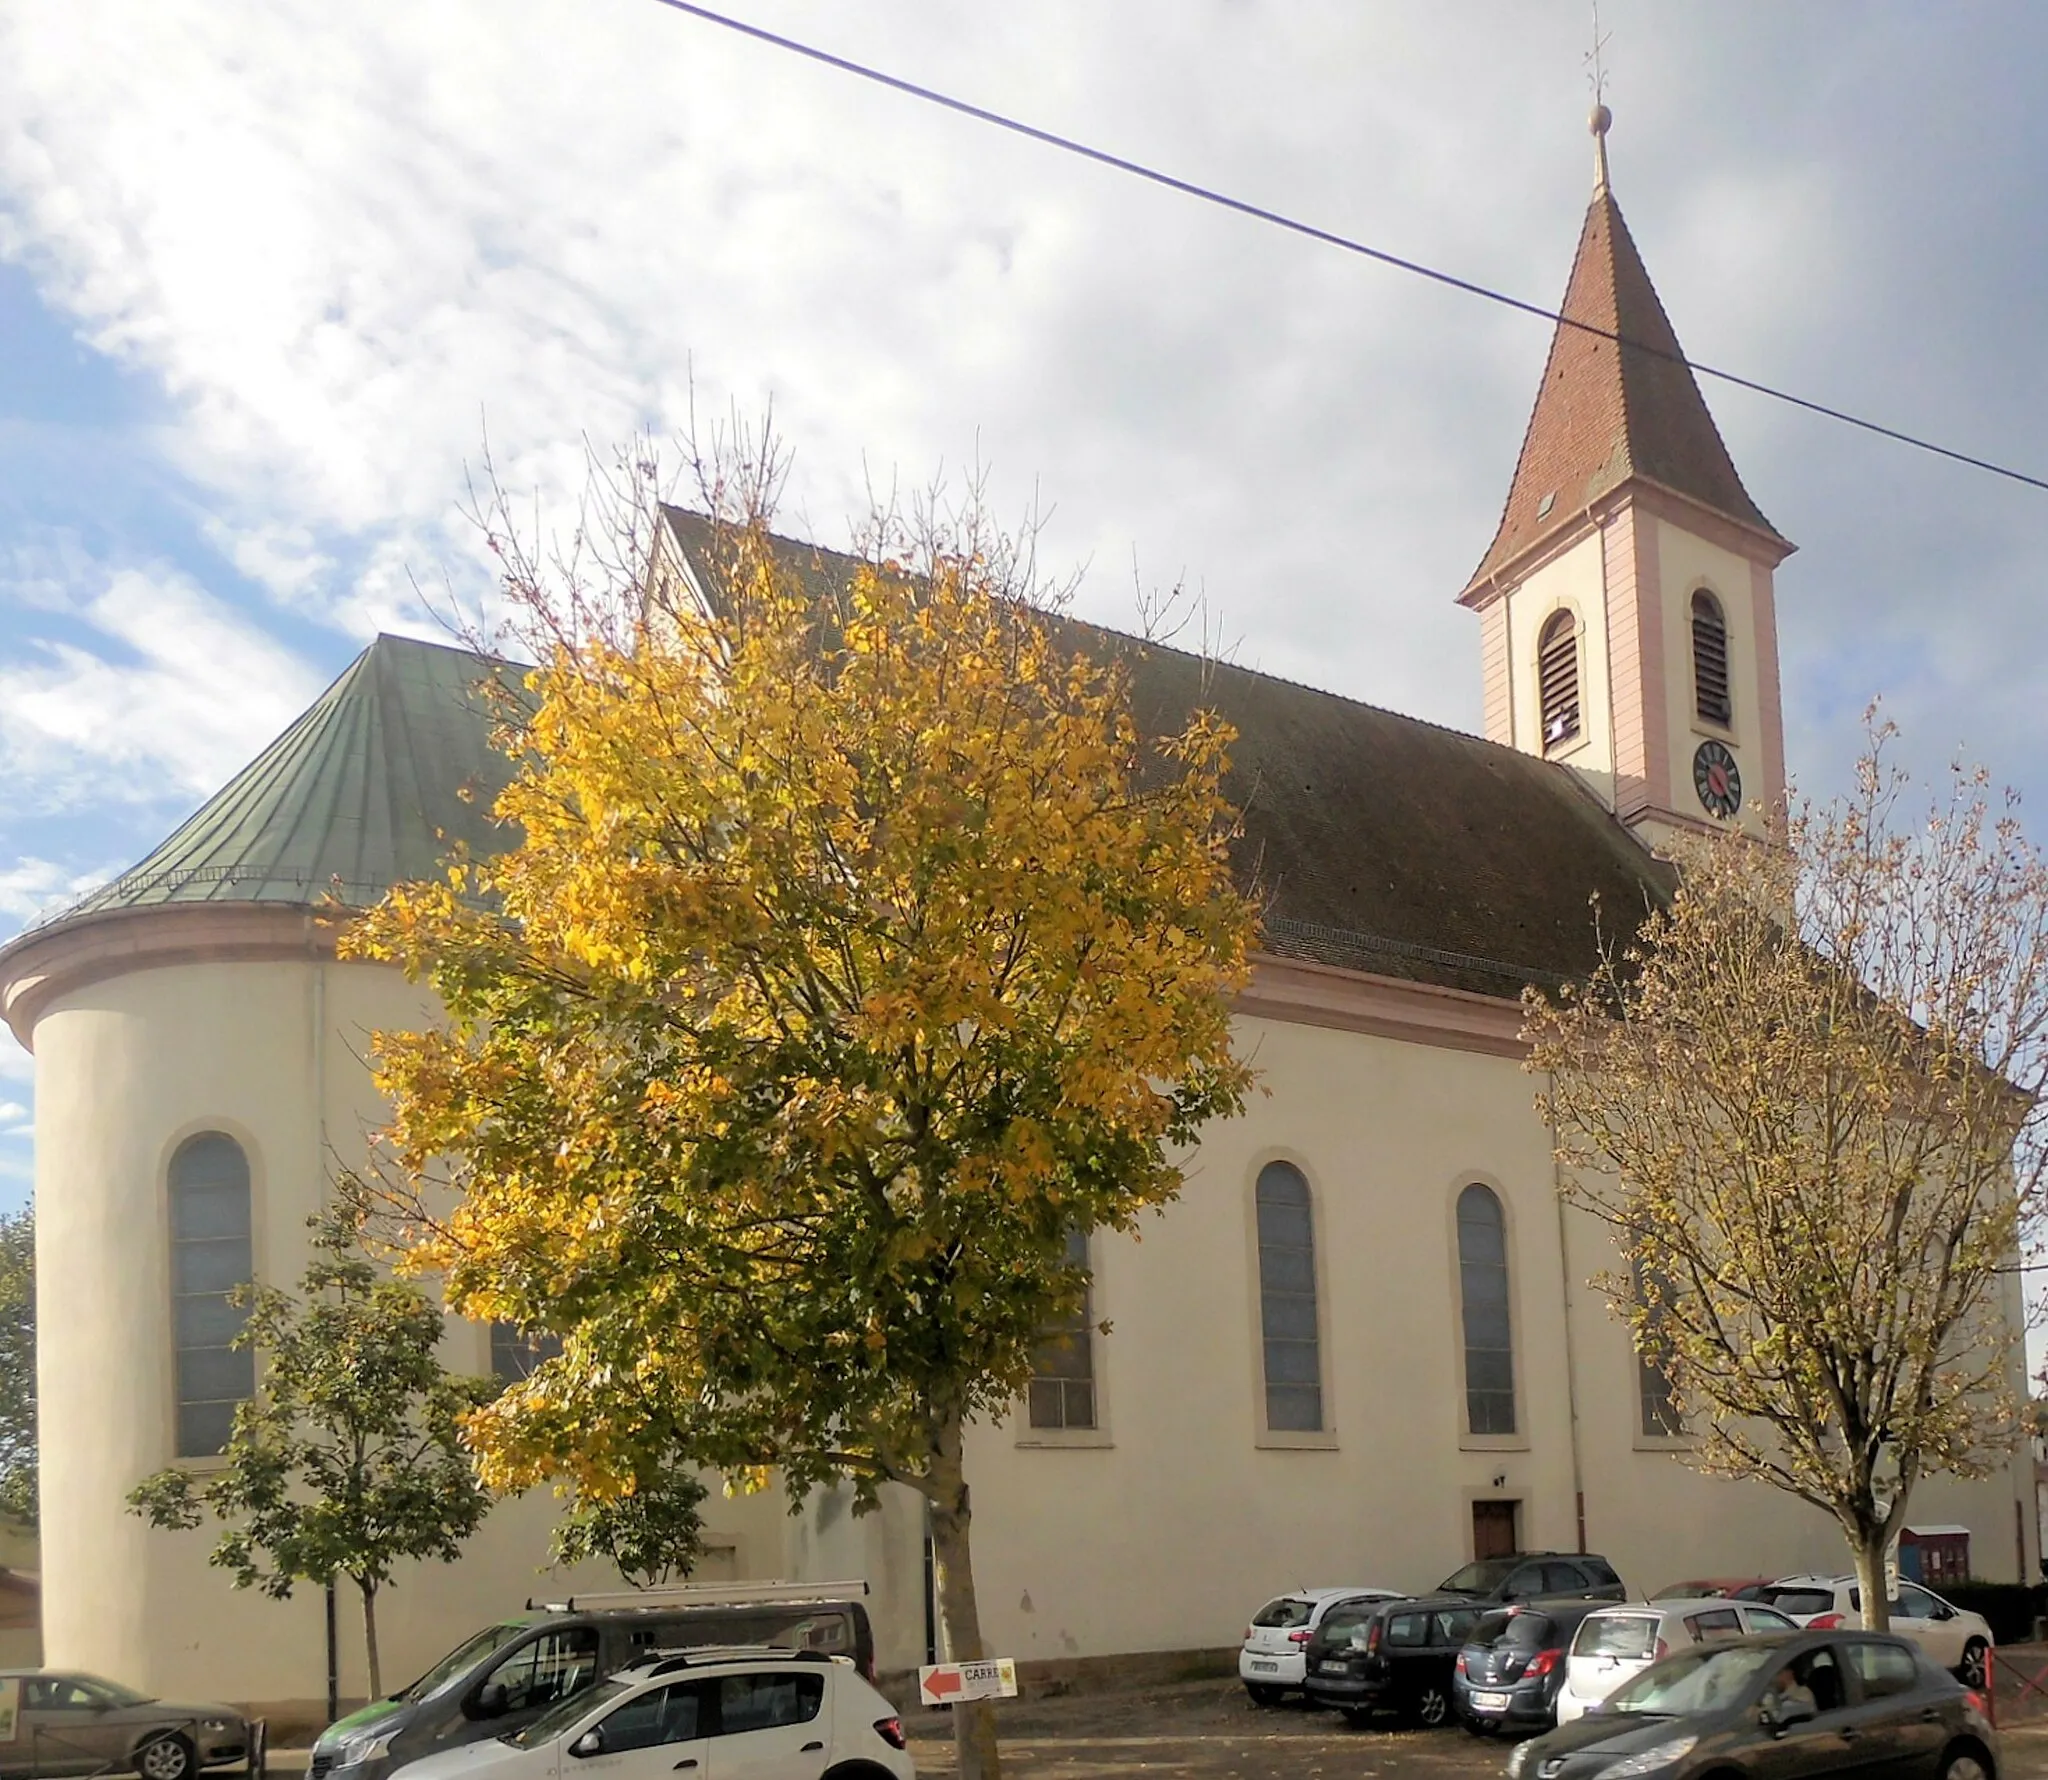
1328, 237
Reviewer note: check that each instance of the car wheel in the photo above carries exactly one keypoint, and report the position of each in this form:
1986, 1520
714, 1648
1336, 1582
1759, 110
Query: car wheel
1971, 1670
1965, 1764
165, 1758
1429, 1706
1264, 1693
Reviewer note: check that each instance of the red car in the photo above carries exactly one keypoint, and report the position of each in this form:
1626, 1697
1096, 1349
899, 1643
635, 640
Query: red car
1713, 1588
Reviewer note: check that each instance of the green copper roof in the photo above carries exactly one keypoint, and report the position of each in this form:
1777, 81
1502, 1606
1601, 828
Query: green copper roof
369, 788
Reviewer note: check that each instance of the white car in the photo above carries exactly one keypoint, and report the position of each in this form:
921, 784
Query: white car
1954, 1637
712, 1714
1274, 1660
1616, 1643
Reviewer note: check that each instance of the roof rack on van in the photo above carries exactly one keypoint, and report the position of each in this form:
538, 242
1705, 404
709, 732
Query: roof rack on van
667, 1662
707, 1594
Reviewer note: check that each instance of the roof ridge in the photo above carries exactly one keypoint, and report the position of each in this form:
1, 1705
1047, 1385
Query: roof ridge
1218, 661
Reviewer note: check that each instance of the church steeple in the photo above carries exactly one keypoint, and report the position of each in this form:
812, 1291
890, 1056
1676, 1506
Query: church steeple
1622, 484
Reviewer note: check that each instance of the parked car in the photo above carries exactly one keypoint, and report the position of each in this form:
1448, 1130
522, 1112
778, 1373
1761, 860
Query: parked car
1508, 1674
1533, 1575
1618, 1643
1274, 1661
1715, 1588
762, 1714
508, 1674
1777, 1707
72, 1723
1956, 1638
1370, 1656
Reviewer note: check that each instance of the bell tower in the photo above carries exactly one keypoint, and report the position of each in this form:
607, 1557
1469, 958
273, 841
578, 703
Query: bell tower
1628, 620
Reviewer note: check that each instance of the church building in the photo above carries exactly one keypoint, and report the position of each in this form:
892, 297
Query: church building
1361, 1348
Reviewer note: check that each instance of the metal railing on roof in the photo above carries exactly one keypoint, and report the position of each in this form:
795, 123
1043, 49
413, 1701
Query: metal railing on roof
133, 890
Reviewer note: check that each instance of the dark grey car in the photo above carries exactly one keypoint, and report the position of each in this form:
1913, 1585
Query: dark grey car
1780, 1706
72, 1723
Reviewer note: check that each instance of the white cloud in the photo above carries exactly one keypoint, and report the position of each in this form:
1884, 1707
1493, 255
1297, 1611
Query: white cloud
343, 237
31, 888
179, 692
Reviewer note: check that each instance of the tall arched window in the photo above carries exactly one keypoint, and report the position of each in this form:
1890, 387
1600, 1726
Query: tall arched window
210, 1255
1483, 1289
1557, 673
1287, 1301
1062, 1389
1710, 659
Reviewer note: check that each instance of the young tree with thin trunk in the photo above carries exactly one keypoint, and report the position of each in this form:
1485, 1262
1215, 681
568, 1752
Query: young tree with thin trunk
855, 950
1806, 1100
349, 1458
18, 1365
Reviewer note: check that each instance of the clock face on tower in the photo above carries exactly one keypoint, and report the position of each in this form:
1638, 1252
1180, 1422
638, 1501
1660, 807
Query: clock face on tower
1716, 778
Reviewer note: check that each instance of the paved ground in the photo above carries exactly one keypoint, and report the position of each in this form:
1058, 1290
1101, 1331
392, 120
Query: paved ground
1208, 1730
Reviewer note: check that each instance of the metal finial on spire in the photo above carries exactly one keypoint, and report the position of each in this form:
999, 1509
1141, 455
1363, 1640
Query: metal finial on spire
1602, 119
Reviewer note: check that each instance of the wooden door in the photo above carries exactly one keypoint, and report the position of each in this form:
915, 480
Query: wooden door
1494, 1533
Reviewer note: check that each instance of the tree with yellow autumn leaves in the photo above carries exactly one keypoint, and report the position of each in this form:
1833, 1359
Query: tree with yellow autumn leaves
1807, 1101
851, 949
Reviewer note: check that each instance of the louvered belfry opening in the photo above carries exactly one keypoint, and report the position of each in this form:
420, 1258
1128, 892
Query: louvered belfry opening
1557, 669
1710, 659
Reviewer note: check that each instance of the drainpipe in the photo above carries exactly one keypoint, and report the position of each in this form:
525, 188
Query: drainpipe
1564, 1267
319, 1080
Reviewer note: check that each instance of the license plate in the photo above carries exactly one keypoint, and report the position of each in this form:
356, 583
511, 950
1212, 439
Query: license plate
1268, 1668
1329, 1668
1490, 1702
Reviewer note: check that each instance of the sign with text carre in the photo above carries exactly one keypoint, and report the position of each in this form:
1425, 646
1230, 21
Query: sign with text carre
942, 1684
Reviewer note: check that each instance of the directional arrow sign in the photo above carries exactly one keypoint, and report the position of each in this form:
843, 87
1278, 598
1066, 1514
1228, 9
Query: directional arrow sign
942, 1684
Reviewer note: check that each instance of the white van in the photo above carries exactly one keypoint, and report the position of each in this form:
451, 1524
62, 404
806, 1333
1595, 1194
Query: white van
1618, 1642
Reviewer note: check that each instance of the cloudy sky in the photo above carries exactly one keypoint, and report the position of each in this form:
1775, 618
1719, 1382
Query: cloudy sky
268, 275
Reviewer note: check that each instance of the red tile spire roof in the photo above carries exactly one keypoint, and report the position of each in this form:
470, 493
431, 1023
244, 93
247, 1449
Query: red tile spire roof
1607, 415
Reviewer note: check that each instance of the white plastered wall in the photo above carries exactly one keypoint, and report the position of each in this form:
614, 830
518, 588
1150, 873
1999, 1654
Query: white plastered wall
1161, 1534
1170, 1530
125, 1069
1686, 563
1575, 579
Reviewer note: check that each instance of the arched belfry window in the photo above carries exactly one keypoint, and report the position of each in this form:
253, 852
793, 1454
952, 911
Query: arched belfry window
211, 1254
1557, 674
1287, 1301
1710, 659
1483, 1292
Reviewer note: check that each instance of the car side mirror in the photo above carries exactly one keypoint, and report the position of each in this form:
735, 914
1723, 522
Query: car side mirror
1942, 1610
491, 1701
590, 1743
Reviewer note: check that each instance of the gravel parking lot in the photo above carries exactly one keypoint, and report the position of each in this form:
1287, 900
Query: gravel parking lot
1208, 1730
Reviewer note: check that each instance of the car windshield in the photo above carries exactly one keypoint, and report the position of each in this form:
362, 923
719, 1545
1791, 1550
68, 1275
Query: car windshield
460, 1658
1286, 1611
1345, 1625
1480, 1578
1693, 1681
1518, 1631
563, 1713
116, 1694
1797, 1600
1624, 1634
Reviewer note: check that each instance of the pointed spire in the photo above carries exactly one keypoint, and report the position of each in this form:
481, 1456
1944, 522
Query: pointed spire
1607, 414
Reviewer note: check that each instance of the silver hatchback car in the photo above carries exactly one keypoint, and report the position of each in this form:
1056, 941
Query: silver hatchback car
71, 1723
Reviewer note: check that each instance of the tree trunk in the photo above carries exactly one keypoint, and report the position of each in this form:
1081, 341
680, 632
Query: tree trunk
369, 1591
974, 1721
1877, 1607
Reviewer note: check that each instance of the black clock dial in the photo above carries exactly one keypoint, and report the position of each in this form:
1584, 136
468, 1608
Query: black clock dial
1717, 779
